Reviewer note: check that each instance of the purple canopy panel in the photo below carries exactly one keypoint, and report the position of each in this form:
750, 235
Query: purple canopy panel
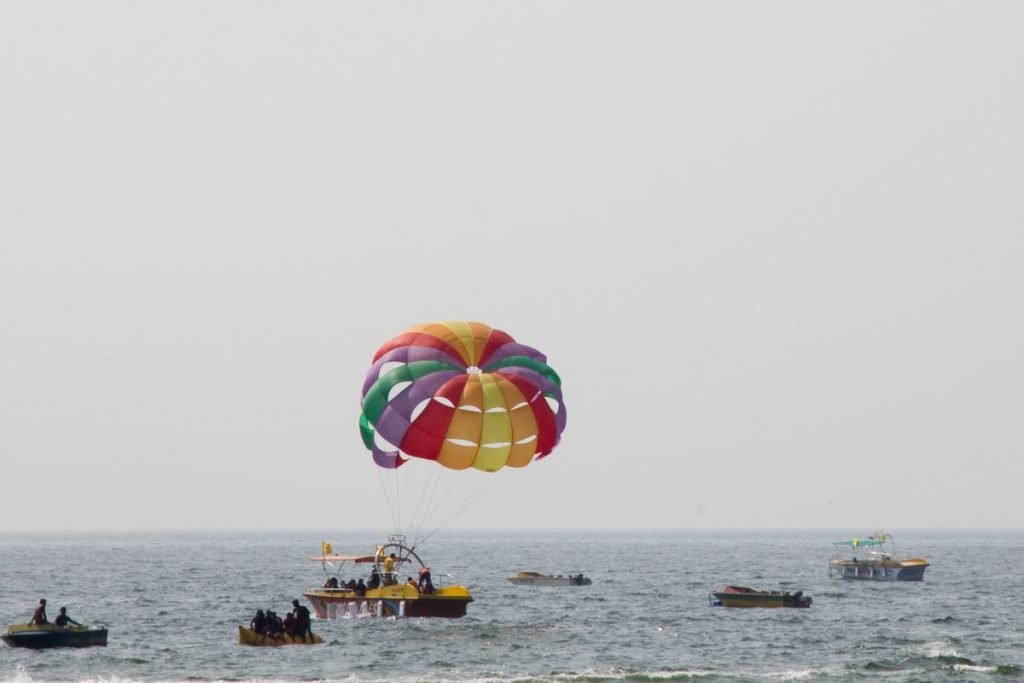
534, 377
407, 354
392, 425
560, 420
420, 390
515, 349
394, 420
388, 460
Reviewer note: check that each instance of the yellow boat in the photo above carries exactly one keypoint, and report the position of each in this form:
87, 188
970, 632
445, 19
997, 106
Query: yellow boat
249, 637
740, 596
392, 598
401, 600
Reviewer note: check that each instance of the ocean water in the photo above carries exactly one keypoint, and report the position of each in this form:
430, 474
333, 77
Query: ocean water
172, 603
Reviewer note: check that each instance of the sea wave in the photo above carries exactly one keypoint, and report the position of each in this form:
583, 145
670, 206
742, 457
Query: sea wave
589, 676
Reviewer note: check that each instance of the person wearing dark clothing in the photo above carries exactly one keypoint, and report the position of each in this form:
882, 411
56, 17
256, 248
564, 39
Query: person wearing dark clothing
63, 619
302, 623
39, 616
259, 623
360, 588
289, 624
275, 627
374, 581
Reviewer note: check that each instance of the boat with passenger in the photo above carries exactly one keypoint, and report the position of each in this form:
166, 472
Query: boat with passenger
247, 636
538, 579
39, 636
385, 595
741, 596
879, 561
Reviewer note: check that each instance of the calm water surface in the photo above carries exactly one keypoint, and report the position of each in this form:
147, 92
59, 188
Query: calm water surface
172, 603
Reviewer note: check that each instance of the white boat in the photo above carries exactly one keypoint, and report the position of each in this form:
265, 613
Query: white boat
537, 579
876, 562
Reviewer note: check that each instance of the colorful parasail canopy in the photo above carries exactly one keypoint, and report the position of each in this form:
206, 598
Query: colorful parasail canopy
462, 394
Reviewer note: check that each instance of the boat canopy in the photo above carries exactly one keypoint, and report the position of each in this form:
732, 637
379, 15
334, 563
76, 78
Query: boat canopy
358, 559
857, 542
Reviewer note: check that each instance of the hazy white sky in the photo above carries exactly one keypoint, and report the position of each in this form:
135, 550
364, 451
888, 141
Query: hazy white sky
773, 249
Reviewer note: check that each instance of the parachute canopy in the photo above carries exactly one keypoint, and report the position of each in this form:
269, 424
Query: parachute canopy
462, 394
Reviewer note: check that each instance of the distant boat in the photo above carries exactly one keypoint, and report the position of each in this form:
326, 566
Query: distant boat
249, 637
740, 596
877, 562
39, 636
537, 579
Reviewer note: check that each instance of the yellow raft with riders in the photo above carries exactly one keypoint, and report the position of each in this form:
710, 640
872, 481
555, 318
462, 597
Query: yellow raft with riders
385, 594
247, 636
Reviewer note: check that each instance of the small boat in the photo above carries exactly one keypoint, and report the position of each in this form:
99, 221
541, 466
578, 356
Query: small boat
537, 579
249, 637
880, 564
393, 598
40, 636
739, 596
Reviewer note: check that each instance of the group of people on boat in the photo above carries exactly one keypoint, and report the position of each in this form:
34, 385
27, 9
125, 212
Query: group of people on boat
295, 623
357, 587
39, 616
388, 578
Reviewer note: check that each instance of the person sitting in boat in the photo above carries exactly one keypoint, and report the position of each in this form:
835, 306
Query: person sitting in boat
39, 616
426, 585
350, 585
331, 582
300, 613
374, 581
275, 625
63, 619
360, 588
259, 623
412, 582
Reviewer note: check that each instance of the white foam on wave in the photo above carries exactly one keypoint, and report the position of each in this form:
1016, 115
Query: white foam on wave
590, 675
25, 678
797, 674
467, 677
935, 649
976, 668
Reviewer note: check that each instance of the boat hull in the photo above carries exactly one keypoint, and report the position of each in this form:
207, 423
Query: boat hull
249, 637
737, 596
878, 570
41, 636
392, 601
547, 581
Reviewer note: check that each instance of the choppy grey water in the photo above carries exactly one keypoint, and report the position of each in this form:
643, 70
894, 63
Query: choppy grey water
172, 602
